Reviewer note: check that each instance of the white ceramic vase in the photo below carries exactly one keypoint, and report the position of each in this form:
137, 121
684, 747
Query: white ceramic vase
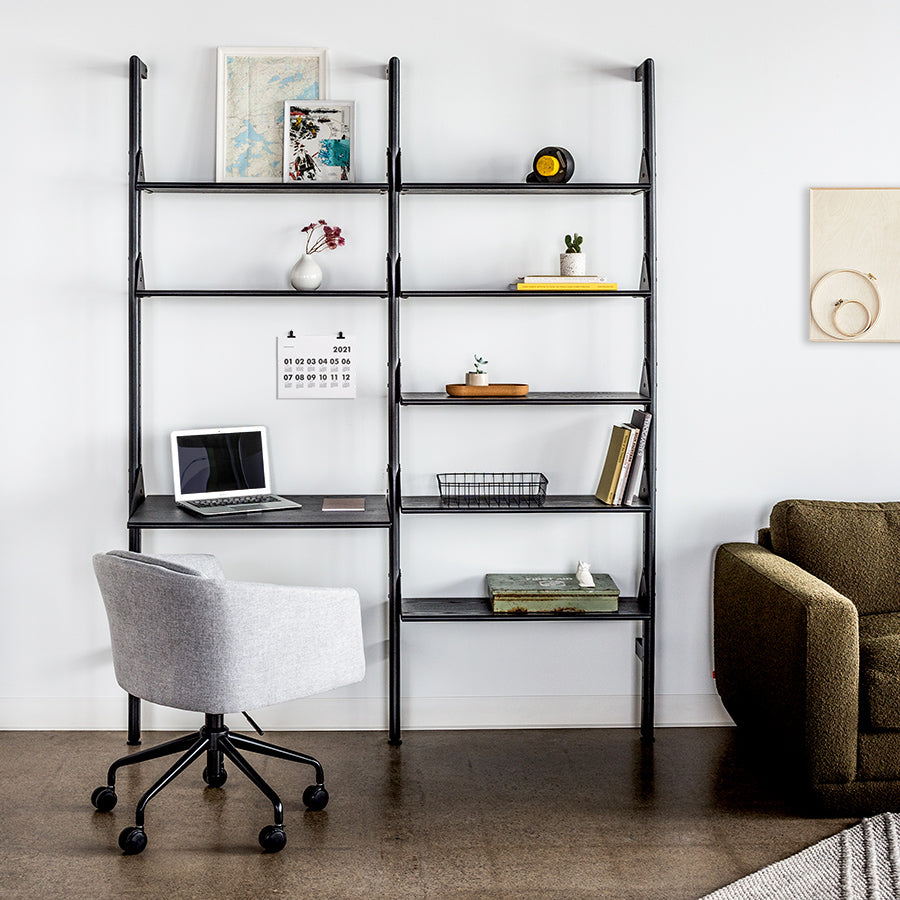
306, 275
477, 379
571, 264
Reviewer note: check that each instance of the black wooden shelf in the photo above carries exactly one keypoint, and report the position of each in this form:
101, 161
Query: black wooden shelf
520, 295
540, 398
554, 503
256, 292
512, 188
160, 511
264, 187
478, 609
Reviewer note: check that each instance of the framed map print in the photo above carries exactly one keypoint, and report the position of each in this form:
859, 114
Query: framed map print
318, 140
252, 86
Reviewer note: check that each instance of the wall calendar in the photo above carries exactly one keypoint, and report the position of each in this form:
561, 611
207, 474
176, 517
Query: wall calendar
316, 366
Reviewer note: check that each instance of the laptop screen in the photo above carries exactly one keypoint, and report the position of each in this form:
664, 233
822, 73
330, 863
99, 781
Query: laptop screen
221, 462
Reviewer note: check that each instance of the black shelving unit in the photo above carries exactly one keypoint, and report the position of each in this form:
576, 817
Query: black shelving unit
159, 511
641, 608
387, 511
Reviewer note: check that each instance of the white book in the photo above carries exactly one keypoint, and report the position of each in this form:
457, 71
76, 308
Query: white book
641, 420
626, 464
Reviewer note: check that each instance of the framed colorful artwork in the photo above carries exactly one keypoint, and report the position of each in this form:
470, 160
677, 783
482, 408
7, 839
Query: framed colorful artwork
318, 140
252, 86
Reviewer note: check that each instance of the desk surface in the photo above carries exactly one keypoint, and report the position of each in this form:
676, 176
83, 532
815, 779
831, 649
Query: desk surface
160, 511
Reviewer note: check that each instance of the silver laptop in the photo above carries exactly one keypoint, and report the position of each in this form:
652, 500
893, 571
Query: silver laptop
223, 471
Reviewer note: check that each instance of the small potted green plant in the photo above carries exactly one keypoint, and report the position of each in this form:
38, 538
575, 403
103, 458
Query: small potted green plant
478, 377
571, 263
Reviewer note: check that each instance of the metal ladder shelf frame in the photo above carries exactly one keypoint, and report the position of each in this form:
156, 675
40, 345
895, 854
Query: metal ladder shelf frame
641, 608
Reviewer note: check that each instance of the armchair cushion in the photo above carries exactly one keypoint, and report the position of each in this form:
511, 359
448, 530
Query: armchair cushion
854, 547
880, 680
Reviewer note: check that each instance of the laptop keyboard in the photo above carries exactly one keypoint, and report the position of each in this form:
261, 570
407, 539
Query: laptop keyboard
235, 501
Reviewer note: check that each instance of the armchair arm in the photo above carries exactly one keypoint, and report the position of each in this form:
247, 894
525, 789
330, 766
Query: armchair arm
787, 657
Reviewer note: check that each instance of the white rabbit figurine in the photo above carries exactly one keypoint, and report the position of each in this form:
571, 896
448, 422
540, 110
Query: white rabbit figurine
583, 574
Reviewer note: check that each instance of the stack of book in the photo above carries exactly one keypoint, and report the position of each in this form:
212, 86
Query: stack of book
620, 479
551, 594
564, 283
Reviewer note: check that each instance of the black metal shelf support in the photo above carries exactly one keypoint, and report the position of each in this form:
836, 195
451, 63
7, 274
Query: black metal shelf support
393, 282
137, 73
644, 74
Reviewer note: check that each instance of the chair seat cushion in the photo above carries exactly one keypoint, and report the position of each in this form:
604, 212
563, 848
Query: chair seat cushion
880, 679
854, 547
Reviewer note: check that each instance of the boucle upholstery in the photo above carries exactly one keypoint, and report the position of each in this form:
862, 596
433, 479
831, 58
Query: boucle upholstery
807, 646
185, 637
851, 546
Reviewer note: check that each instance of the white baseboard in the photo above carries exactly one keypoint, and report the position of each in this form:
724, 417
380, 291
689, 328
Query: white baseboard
370, 714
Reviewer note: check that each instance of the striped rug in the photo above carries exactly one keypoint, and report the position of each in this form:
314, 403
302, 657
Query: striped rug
861, 863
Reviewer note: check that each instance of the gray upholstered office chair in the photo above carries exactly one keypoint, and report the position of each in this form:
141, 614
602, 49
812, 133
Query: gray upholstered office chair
184, 637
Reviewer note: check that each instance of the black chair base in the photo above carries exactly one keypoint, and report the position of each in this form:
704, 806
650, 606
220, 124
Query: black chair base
217, 741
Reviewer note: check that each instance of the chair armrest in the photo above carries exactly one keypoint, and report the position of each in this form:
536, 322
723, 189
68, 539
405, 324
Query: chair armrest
291, 642
787, 657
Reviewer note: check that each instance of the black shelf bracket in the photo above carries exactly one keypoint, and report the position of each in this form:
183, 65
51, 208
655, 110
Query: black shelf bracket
137, 494
645, 274
644, 177
646, 389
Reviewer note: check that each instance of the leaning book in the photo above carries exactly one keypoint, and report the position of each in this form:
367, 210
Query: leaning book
543, 593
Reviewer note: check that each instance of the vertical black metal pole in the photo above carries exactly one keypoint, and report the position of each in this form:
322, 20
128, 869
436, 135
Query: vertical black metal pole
645, 74
137, 72
393, 285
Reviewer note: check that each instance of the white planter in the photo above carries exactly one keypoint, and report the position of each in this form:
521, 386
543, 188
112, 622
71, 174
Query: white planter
477, 379
306, 275
571, 264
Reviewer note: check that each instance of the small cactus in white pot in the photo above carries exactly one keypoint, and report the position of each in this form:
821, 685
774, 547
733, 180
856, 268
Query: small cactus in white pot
571, 262
477, 377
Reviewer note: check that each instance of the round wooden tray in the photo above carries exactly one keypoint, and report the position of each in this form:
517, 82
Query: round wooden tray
487, 390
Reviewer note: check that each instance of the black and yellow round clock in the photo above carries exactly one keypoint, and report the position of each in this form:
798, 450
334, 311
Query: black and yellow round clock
552, 165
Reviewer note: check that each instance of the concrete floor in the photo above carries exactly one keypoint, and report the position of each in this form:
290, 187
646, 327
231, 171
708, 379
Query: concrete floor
451, 814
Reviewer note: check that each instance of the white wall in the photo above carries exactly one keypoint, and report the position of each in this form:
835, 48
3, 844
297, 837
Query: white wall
754, 107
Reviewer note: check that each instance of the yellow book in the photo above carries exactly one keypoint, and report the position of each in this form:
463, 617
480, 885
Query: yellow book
612, 467
567, 286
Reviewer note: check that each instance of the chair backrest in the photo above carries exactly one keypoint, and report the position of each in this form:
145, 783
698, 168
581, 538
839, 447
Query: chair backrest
854, 547
186, 640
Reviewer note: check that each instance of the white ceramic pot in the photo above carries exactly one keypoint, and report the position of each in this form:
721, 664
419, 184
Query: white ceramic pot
571, 264
476, 379
306, 275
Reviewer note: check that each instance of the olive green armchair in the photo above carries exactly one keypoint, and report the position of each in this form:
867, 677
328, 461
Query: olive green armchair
807, 647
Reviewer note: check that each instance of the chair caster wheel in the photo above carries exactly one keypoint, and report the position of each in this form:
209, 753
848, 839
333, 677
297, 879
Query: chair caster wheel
132, 840
215, 781
272, 838
315, 797
104, 798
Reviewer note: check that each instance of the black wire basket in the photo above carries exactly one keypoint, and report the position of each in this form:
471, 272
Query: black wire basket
492, 489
